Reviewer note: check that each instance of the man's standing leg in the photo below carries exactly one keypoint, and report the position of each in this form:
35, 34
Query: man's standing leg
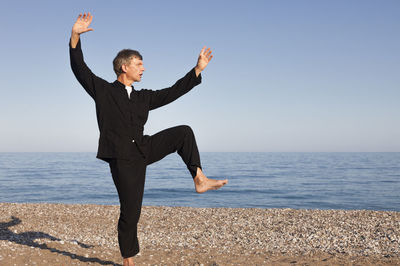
129, 179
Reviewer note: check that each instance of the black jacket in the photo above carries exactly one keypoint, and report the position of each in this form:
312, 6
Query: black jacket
120, 119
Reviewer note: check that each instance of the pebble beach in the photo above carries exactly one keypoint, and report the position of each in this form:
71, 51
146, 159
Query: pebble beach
76, 234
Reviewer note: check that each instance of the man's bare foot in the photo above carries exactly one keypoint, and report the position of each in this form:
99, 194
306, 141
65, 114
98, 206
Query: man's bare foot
203, 184
129, 262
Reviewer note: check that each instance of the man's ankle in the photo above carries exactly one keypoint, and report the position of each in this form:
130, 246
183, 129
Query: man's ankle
128, 261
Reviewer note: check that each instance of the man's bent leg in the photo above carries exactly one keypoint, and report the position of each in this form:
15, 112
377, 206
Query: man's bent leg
176, 139
129, 178
182, 140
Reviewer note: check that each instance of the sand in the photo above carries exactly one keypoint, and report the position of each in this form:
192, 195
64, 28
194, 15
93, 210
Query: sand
62, 234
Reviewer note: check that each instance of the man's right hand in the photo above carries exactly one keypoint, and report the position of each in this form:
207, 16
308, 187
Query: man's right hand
81, 26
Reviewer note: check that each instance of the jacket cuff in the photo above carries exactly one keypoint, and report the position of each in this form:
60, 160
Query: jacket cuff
78, 45
198, 79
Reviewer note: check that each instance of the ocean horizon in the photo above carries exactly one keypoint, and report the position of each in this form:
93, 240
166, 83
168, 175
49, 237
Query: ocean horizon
298, 180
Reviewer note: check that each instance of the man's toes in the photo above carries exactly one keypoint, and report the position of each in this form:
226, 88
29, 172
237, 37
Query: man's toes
223, 182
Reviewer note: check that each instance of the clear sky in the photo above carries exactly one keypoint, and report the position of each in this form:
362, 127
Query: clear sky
286, 75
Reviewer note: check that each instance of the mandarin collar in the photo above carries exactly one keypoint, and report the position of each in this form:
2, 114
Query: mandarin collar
118, 84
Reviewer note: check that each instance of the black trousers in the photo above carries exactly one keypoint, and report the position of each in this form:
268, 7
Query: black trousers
129, 178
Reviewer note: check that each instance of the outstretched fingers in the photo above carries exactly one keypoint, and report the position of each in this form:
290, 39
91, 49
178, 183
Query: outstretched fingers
82, 23
88, 17
207, 53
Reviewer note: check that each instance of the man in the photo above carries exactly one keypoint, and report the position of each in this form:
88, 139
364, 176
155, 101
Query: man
122, 112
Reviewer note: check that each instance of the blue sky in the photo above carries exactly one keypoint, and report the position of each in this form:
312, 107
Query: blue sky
286, 75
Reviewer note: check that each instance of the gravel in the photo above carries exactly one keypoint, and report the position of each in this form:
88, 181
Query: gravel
87, 234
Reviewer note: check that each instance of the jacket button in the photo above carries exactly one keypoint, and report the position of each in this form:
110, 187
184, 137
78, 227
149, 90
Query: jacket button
133, 140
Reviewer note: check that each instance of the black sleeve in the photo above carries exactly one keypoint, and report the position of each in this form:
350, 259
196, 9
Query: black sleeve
81, 71
168, 95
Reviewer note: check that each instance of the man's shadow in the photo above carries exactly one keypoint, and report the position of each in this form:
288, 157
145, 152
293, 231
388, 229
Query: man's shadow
28, 239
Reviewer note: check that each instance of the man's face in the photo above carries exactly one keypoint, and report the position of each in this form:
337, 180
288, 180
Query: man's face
135, 69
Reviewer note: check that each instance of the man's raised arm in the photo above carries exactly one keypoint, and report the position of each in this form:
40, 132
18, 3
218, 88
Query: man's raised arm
185, 84
81, 71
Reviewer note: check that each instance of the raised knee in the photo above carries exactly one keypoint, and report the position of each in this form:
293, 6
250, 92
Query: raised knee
186, 129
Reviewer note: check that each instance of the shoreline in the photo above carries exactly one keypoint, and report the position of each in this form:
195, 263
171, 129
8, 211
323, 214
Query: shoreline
56, 233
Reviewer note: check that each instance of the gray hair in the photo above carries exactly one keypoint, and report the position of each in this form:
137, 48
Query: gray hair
123, 58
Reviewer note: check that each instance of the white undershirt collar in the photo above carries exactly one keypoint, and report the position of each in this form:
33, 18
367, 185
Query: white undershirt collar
128, 90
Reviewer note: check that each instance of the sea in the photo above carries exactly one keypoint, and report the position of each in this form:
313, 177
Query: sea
349, 181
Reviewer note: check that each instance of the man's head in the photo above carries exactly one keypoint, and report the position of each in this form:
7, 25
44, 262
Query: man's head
129, 62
